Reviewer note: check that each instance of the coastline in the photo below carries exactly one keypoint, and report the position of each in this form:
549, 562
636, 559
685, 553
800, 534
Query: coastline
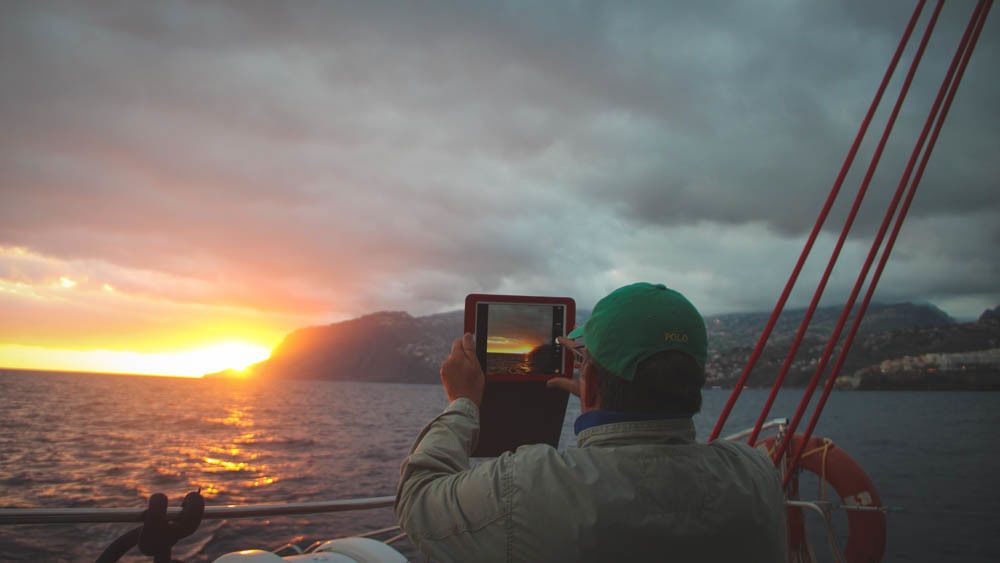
971, 379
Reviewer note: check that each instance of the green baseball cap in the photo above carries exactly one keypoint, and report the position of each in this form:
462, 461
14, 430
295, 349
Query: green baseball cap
634, 322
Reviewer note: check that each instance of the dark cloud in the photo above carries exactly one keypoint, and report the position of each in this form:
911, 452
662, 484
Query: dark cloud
341, 158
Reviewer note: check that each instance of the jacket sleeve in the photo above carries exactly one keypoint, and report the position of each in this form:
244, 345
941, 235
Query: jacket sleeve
450, 511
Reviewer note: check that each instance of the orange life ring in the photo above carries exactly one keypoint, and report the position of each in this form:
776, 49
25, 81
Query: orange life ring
866, 529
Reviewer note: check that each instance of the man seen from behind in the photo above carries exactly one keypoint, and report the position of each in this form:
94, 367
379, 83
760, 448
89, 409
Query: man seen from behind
638, 487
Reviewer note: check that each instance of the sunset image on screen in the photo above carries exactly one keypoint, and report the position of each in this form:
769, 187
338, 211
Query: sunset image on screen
510, 345
519, 339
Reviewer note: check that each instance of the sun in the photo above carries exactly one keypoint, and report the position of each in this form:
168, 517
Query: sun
230, 355
193, 362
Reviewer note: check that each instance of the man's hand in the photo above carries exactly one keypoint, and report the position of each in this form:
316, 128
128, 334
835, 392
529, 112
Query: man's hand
460, 372
566, 384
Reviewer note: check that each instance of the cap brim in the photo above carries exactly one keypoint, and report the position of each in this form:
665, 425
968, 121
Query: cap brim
576, 332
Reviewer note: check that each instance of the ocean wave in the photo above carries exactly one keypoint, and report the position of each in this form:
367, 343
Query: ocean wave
19, 480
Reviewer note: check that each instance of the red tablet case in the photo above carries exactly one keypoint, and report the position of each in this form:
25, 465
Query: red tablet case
518, 410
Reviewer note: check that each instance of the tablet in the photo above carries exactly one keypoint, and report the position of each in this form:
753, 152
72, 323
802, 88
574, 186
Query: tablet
518, 351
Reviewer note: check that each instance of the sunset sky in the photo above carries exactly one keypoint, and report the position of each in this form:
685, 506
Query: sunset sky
518, 329
182, 184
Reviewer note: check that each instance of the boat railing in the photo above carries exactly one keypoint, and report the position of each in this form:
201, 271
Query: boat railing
777, 424
10, 516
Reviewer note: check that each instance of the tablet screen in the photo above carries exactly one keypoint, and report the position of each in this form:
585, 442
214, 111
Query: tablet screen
520, 338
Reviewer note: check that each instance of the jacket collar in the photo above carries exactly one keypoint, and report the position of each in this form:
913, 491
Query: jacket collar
604, 428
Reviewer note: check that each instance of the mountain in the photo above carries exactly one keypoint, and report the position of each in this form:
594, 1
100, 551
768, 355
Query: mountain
397, 347
385, 346
736, 330
990, 316
891, 334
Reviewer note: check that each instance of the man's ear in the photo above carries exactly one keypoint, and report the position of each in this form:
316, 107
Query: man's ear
590, 395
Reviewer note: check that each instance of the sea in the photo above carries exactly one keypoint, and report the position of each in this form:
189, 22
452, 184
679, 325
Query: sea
79, 440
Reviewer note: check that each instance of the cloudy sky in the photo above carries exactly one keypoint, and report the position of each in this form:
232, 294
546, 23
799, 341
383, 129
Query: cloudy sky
175, 176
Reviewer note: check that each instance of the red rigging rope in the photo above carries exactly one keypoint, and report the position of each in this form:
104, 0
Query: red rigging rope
834, 191
845, 231
945, 96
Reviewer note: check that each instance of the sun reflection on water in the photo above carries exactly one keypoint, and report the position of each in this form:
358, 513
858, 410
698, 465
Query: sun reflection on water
235, 417
213, 465
105, 441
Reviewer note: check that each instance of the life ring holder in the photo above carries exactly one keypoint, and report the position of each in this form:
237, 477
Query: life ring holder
834, 467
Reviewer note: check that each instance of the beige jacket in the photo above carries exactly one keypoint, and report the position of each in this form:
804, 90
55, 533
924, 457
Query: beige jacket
632, 491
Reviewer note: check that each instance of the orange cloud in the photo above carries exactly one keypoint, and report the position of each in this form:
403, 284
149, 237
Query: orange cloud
87, 316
